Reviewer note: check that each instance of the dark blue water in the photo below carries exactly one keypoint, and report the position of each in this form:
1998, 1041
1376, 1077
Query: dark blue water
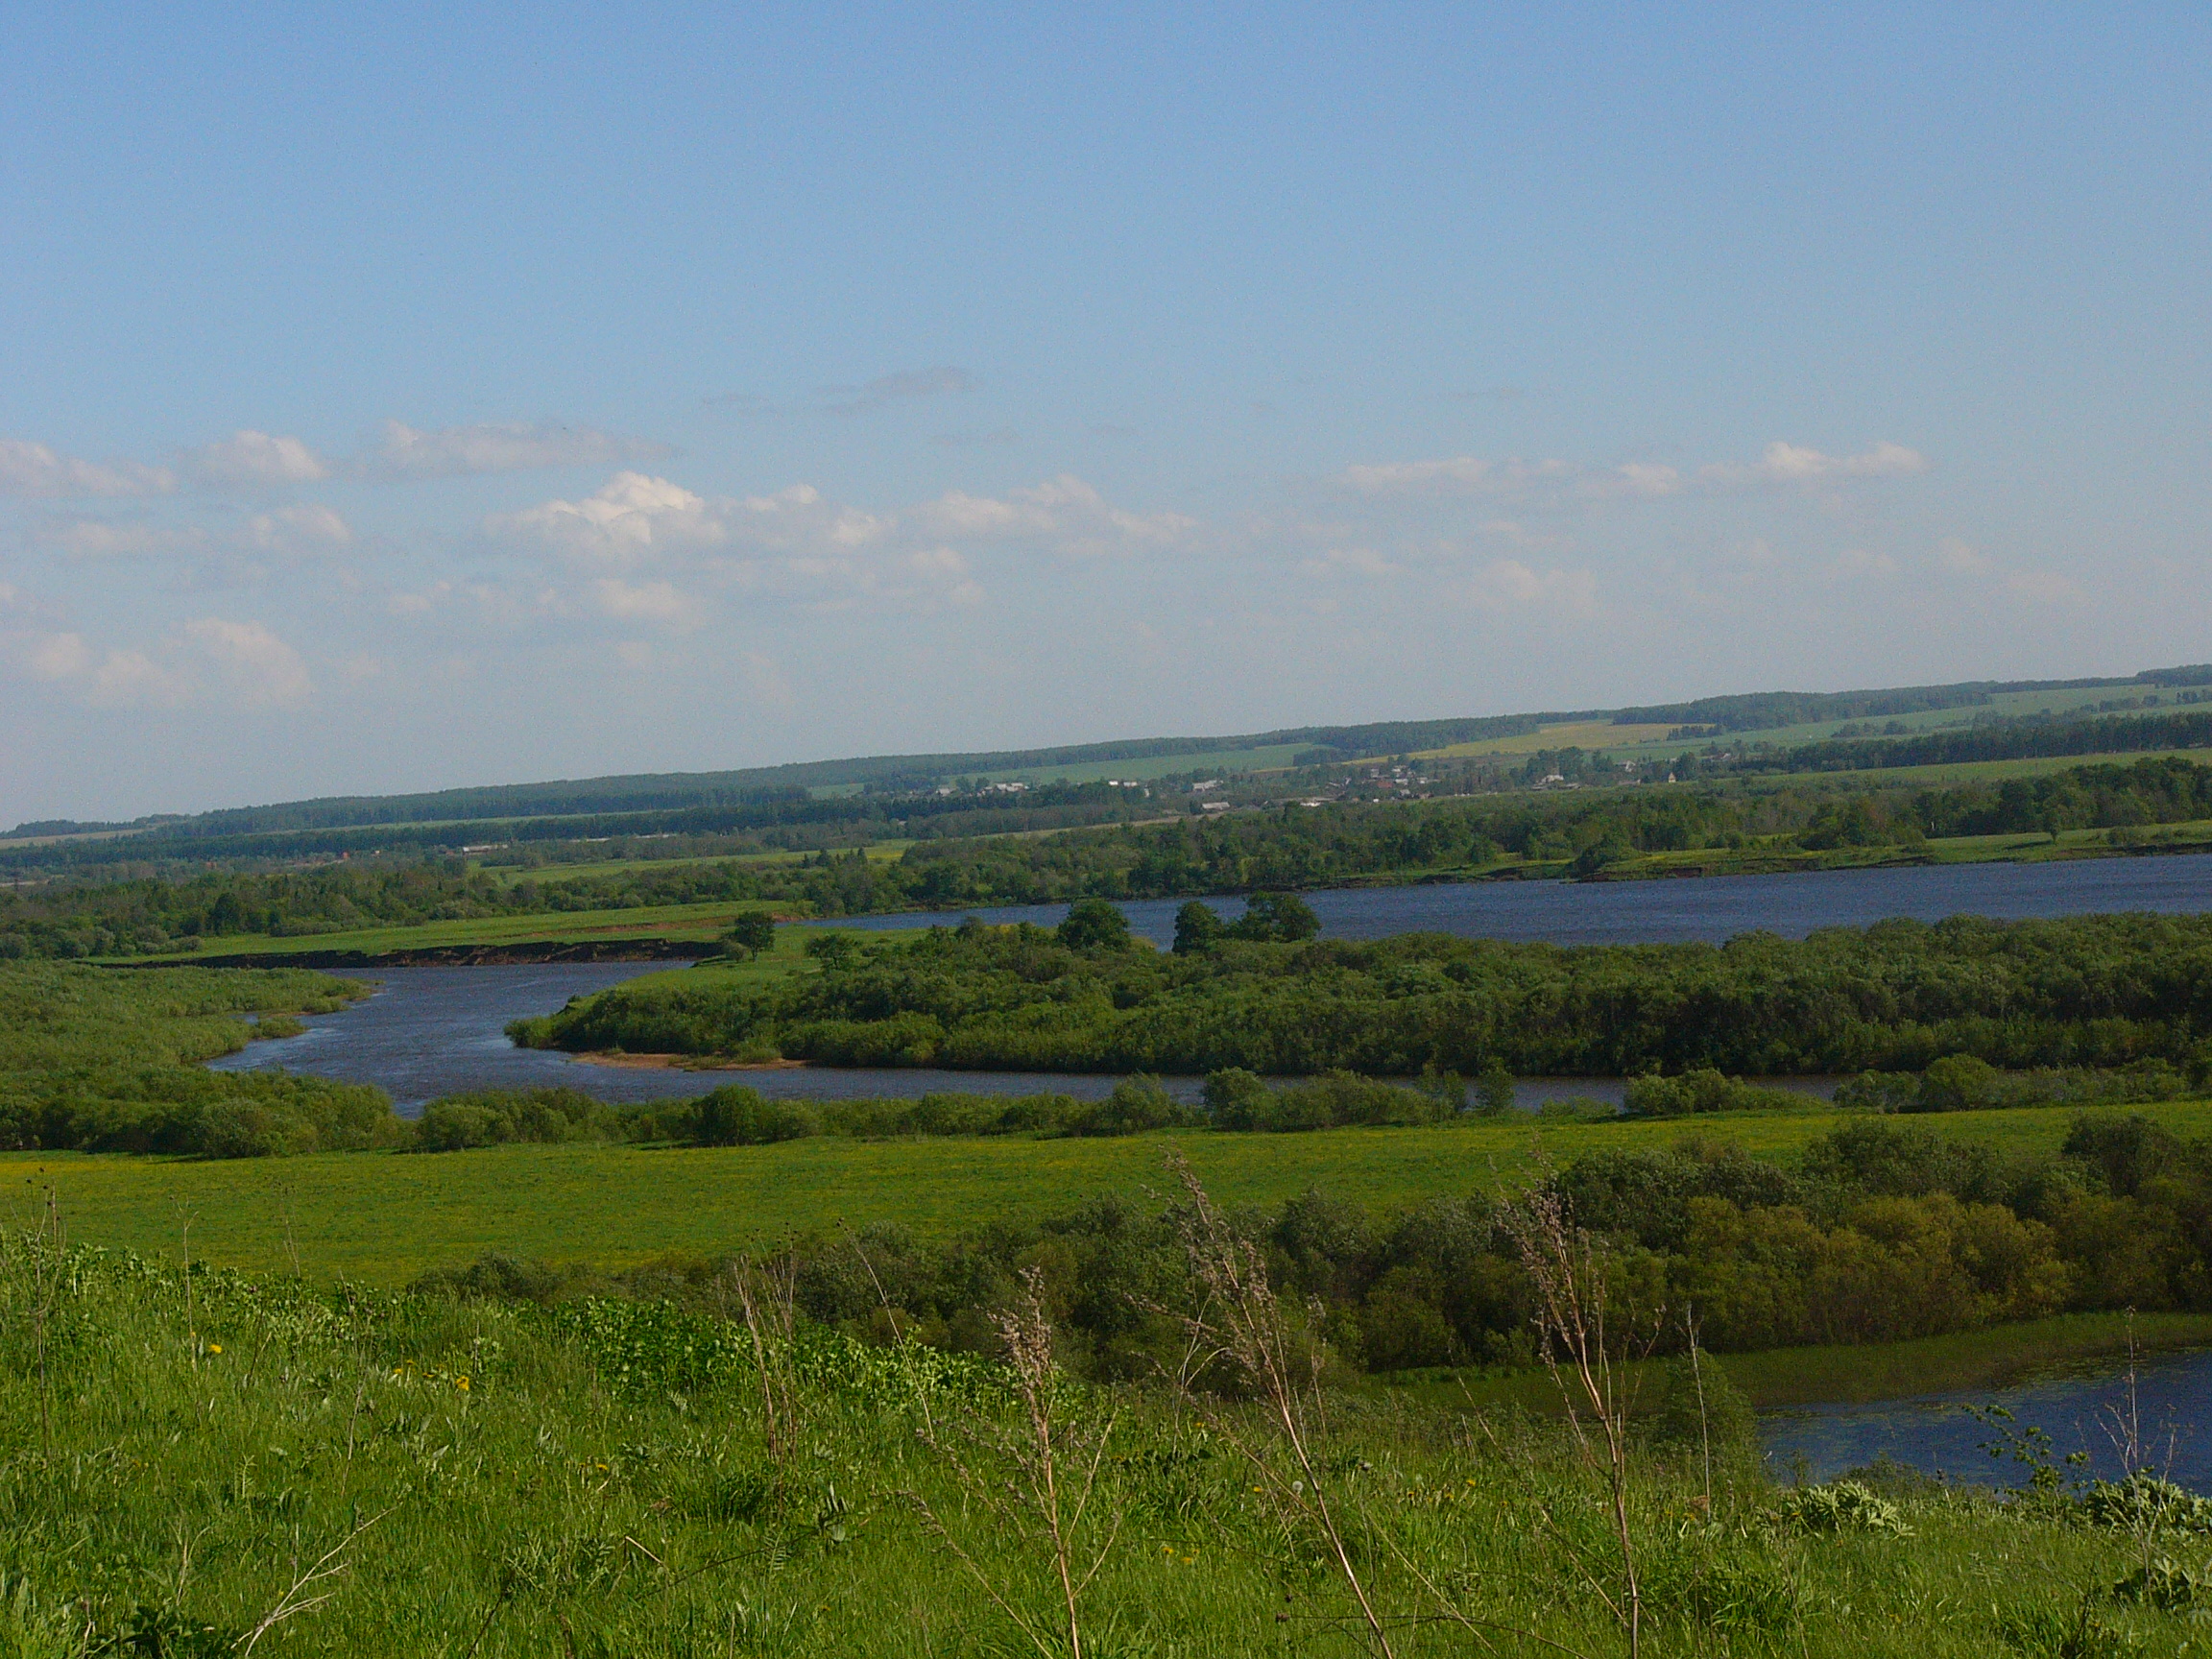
1711, 908
432, 1031
1933, 1432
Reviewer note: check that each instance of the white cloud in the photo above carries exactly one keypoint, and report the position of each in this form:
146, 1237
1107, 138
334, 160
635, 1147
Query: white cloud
1962, 558
1508, 583
629, 522
404, 451
294, 532
34, 469
1794, 463
250, 662
119, 539
645, 602
255, 460
1780, 464
133, 680
1648, 480
59, 657
959, 513
1350, 561
238, 664
1455, 474
1064, 513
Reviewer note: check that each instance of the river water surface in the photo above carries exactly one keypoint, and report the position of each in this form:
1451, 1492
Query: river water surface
431, 1031
2084, 1412
1711, 908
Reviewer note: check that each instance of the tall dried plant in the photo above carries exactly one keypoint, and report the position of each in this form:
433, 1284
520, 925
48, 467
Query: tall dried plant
1588, 1364
1038, 1480
767, 1291
1238, 1325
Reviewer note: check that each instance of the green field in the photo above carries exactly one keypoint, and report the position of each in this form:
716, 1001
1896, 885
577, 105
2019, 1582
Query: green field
2010, 704
384, 1217
699, 924
1269, 758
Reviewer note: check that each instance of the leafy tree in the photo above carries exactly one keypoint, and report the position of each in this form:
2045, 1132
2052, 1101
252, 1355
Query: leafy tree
1495, 1089
832, 949
1197, 928
1093, 924
754, 933
1279, 917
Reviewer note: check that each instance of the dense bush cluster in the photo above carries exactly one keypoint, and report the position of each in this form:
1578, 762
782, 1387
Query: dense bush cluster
2105, 991
103, 1061
1882, 1231
1966, 1083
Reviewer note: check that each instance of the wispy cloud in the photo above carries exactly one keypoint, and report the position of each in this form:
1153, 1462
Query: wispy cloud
28, 469
1787, 463
254, 461
908, 385
1779, 466
238, 664
403, 451
1457, 474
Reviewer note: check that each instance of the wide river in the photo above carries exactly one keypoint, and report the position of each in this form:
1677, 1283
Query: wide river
431, 1031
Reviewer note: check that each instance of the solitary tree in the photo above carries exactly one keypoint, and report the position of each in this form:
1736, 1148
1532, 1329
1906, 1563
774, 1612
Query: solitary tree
1094, 923
1196, 928
1282, 917
754, 933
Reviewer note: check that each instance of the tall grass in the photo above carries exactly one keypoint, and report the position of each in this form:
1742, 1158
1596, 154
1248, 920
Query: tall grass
282, 1469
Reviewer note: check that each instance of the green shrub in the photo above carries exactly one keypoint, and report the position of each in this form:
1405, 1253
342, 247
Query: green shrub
1700, 1406
736, 1115
1843, 1506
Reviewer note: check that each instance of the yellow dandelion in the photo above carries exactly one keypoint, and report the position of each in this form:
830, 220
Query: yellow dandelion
462, 1383
214, 1347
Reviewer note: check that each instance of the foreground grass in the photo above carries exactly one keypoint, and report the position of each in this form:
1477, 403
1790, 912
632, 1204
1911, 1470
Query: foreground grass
383, 1218
179, 1464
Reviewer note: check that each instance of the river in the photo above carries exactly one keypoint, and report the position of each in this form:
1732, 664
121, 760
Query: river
1708, 908
431, 1031
2081, 1412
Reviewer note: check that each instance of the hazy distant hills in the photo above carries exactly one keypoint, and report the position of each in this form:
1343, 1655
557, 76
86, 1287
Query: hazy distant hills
594, 800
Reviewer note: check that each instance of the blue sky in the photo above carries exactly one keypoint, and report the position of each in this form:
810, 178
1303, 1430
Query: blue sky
406, 397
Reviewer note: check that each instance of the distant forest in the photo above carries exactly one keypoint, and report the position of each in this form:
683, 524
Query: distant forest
1577, 833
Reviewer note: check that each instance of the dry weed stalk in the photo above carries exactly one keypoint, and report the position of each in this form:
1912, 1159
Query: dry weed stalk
1567, 1270
295, 1600
45, 1252
767, 1291
1239, 1324
1046, 1478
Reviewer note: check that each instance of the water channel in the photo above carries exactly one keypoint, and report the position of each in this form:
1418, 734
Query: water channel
431, 1031
2086, 1411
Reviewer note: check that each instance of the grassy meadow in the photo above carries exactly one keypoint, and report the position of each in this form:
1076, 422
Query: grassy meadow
383, 1218
218, 1465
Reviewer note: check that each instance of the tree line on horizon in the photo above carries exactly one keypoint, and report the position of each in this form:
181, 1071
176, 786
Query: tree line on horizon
1289, 848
